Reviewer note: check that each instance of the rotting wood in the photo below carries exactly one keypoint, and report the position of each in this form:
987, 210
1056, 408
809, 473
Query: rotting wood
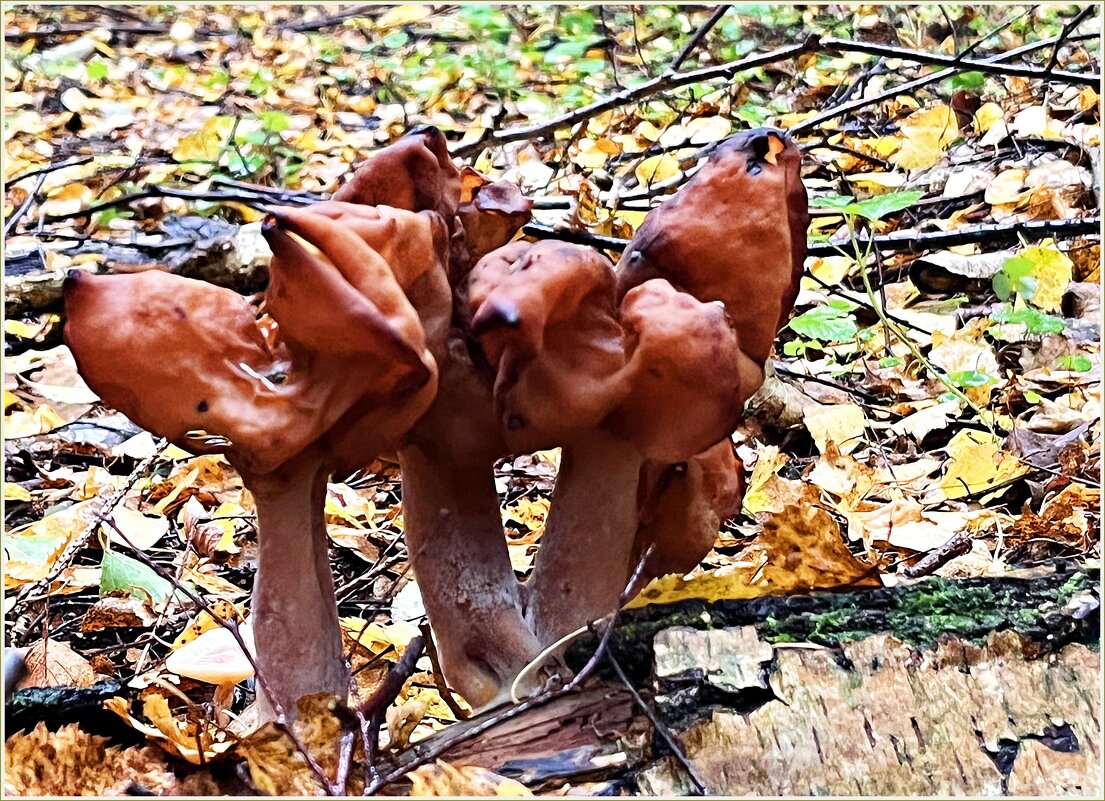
973, 687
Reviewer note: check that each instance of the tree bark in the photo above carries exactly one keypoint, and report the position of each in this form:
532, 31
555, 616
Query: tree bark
971, 687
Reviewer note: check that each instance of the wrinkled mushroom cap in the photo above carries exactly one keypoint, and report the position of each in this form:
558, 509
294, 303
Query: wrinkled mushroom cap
736, 232
663, 372
414, 173
199, 365
214, 657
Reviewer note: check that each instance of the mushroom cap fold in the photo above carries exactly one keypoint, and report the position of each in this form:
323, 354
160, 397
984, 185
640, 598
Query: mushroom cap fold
663, 372
683, 505
338, 343
415, 173
736, 232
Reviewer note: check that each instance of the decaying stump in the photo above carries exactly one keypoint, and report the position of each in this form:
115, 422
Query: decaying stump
976, 687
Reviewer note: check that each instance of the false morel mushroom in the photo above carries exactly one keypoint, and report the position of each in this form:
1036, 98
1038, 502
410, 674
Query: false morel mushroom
333, 371
401, 318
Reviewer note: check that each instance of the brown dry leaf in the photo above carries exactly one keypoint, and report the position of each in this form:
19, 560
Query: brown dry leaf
770, 492
443, 779
196, 742
403, 718
71, 762
113, 612
275, 765
211, 533
52, 663
850, 481
805, 551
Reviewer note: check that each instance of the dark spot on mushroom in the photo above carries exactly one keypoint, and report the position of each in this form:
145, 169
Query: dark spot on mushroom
515, 422
180, 313
202, 406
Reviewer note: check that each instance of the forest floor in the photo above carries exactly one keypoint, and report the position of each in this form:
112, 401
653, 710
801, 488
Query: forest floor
933, 406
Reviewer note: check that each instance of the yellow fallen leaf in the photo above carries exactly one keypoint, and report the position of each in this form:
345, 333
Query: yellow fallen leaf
926, 135
204, 622
987, 115
1007, 188
443, 779
67, 199
878, 180
841, 423
1053, 270
14, 492
976, 462
656, 169
756, 498
398, 16
41, 420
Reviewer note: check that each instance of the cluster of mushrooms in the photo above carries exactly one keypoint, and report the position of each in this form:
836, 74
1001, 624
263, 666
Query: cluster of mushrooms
401, 320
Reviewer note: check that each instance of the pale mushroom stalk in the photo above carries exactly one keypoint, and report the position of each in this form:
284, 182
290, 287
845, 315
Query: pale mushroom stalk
588, 539
454, 535
293, 598
456, 545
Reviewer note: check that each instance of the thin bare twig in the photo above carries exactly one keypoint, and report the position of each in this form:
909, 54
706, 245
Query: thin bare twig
659, 727
371, 711
958, 545
990, 66
1068, 29
1030, 230
661, 83
697, 38
917, 83
24, 206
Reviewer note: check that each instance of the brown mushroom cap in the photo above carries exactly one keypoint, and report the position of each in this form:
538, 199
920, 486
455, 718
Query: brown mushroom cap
735, 233
663, 372
683, 505
192, 362
414, 173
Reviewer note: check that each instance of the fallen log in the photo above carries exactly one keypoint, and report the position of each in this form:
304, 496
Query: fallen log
937, 687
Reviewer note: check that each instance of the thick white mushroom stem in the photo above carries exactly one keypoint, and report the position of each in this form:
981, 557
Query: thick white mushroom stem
294, 612
580, 572
455, 539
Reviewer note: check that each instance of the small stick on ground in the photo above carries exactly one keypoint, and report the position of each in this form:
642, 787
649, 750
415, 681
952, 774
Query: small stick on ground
930, 562
660, 728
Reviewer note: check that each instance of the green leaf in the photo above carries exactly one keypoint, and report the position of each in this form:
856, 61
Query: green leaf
1017, 267
890, 361
826, 324
797, 347
1034, 321
273, 121
1003, 287
1032, 396
96, 70
122, 573
968, 80
971, 378
875, 208
1075, 362
841, 203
